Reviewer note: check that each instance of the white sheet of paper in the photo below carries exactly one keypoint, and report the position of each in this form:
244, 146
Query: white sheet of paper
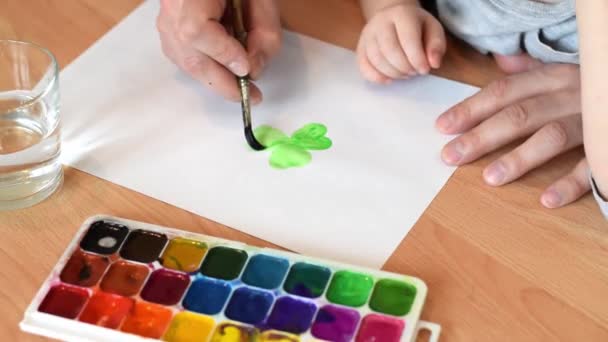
131, 117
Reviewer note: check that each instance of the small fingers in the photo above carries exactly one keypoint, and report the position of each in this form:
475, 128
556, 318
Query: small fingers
434, 41
551, 140
392, 51
379, 60
410, 38
569, 188
368, 71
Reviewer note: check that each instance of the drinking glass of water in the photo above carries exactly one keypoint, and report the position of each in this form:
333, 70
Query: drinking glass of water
30, 142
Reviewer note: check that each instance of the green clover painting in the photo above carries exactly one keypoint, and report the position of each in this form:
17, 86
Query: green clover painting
294, 151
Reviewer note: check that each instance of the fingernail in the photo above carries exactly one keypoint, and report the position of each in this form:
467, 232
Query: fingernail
452, 153
237, 68
495, 173
445, 122
425, 70
436, 58
551, 199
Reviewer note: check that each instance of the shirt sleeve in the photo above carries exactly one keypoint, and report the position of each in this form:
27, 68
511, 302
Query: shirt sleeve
602, 202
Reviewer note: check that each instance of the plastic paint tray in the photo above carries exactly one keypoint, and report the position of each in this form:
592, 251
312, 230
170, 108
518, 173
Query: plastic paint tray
121, 280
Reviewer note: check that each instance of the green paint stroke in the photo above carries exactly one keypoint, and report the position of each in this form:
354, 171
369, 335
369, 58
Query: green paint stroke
293, 151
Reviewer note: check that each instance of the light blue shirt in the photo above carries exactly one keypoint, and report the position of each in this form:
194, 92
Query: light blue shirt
546, 31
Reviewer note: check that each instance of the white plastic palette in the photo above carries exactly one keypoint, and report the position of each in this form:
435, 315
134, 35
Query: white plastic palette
122, 280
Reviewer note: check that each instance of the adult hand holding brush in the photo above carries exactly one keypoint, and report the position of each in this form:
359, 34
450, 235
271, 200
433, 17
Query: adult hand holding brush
194, 37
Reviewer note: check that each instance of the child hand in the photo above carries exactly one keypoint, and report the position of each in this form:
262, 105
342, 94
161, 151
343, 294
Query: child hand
398, 42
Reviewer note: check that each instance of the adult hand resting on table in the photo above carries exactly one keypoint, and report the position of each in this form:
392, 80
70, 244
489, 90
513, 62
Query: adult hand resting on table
194, 38
542, 104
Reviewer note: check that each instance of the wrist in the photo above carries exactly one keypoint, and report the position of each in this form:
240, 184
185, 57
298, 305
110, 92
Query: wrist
371, 7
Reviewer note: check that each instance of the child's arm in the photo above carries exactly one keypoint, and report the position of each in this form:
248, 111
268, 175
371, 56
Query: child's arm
400, 40
371, 7
592, 16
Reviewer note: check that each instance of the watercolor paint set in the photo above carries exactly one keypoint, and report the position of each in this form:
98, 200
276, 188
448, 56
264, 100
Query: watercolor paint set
122, 280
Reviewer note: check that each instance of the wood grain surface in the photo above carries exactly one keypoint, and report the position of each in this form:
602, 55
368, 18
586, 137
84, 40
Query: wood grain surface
498, 265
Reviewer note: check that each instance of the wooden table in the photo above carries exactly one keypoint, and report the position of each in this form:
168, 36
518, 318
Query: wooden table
498, 265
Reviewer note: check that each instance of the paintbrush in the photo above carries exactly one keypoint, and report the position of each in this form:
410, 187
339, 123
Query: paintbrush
240, 34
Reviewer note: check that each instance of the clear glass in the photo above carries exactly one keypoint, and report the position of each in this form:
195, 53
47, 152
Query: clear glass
30, 142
